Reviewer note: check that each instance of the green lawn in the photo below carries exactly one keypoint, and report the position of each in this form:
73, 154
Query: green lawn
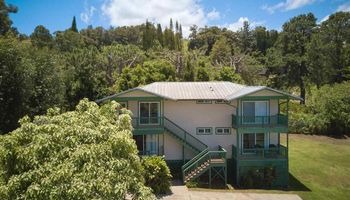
319, 168
322, 164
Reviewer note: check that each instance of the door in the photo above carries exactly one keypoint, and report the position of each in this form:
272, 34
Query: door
261, 112
252, 142
149, 113
254, 112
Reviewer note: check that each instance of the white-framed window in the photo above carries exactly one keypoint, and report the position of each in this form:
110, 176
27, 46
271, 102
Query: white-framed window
252, 141
149, 113
221, 102
222, 131
204, 131
204, 101
254, 112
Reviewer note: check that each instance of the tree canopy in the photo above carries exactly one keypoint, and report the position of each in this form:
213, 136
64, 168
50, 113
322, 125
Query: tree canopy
59, 69
87, 153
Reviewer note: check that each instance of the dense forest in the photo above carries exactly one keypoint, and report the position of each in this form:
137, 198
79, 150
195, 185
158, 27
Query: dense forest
307, 58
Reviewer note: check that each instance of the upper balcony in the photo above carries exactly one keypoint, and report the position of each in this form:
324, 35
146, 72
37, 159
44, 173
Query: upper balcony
278, 120
147, 125
273, 152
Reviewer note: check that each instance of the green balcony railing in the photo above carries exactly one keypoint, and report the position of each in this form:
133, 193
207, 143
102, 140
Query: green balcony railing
278, 152
253, 121
147, 122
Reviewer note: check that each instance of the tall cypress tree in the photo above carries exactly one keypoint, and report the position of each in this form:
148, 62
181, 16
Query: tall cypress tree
171, 24
160, 34
176, 26
74, 25
180, 31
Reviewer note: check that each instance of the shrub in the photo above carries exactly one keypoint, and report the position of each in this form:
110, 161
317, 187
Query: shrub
306, 123
88, 153
259, 177
192, 184
332, 105
157, 174
327, 112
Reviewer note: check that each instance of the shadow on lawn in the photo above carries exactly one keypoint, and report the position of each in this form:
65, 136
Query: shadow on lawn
296, 185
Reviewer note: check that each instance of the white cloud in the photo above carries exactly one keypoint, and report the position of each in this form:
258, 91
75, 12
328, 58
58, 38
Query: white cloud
87, 14
213, 15
324, 19
134, 12
344, 7
287, 5
236, 26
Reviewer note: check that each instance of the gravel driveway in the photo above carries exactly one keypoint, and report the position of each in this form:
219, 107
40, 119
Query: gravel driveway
180, 192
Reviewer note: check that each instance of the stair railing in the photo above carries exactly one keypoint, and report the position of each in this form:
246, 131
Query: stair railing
194, 159
184, 135
204, 156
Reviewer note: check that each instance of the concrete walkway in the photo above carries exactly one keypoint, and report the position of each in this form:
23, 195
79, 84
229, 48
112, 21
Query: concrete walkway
180, 192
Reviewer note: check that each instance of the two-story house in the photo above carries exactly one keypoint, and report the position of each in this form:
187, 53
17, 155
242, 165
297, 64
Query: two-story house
211, 128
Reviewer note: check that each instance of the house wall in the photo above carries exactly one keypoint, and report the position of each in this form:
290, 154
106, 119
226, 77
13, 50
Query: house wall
274, 138
273, 106
190, 115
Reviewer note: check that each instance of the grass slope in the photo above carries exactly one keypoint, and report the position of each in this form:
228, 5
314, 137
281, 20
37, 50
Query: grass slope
319, 168
322, 165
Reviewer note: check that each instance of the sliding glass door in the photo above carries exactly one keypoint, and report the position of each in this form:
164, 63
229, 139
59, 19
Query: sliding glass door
252, 141
254, 112
149, 144
149, 113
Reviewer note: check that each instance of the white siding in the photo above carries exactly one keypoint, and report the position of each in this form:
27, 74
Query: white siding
274, 138
273, 107
190, 115
172, 148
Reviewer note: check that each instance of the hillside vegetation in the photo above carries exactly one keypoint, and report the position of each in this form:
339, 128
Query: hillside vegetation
42, 70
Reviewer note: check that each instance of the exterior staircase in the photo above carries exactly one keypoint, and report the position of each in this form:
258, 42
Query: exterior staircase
204, 161
183, 136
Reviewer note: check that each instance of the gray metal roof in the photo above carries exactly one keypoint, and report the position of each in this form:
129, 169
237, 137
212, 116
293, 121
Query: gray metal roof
213, 90
193, 90
252, 89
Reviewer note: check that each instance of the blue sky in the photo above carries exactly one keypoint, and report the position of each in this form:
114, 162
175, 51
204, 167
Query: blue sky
58, 14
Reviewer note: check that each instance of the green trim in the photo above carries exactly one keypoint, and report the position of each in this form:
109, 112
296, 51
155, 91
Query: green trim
148, 131
211, 131
263, 97
137, 98
263, 129
229, 131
